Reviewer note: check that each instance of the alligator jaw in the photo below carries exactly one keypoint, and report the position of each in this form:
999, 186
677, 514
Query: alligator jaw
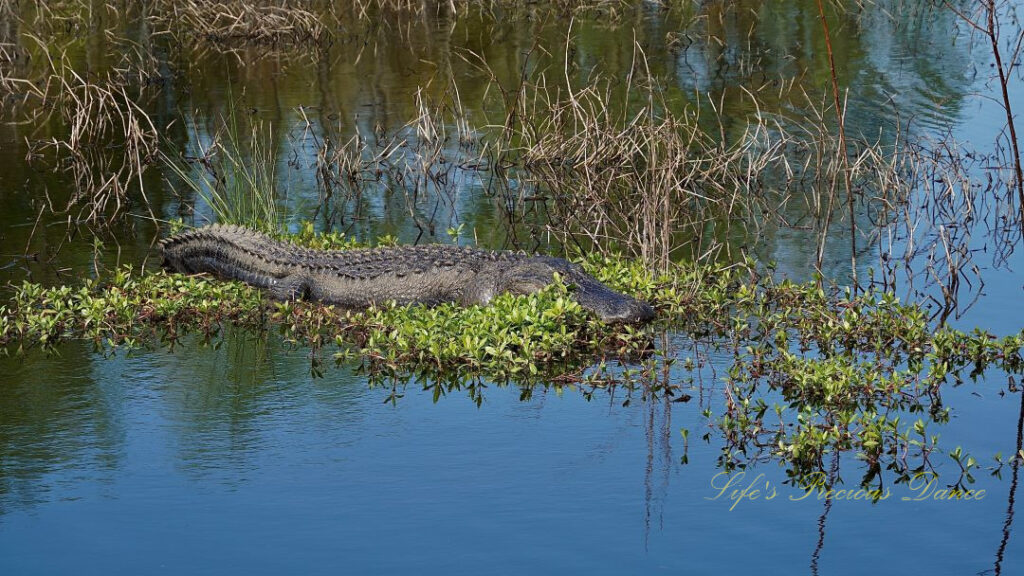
532, 274
611, 306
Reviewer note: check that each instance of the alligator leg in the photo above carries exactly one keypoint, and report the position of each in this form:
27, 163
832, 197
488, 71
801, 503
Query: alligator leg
292, 287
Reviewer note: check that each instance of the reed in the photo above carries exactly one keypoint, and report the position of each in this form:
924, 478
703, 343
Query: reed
238, 21
94, 115
235, 176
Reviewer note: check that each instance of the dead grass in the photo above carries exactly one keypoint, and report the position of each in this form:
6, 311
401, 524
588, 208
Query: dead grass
424, 164
105, 141
641, 181
240, 21
370, 9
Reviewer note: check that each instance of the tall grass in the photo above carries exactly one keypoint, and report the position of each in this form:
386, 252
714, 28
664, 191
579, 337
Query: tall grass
235, 175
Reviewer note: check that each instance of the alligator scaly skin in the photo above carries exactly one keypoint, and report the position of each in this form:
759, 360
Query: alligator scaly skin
429, 274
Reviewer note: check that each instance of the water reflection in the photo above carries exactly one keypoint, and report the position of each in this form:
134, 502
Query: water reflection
1011, 498
59, 428
823, 519
221, 402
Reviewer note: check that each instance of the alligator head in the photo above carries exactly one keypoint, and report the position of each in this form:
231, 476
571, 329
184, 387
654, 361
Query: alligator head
529, 275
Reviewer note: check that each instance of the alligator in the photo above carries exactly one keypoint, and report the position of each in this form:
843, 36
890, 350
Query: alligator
359, 278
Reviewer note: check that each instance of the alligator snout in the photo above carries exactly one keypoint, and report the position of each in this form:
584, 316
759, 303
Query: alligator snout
615, 308
611, 306
635, 312
532, 274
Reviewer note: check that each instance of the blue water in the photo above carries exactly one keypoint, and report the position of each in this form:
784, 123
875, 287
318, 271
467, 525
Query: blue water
202, 462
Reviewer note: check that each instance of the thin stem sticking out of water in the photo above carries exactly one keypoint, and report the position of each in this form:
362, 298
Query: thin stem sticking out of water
843, 158
990, 29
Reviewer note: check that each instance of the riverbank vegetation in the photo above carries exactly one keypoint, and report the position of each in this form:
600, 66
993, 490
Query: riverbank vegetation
812, 370
669, 174
569, 157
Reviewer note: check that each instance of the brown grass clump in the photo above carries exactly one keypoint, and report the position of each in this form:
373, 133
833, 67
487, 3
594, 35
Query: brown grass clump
96, 116
229, 21
369, 9
639, 179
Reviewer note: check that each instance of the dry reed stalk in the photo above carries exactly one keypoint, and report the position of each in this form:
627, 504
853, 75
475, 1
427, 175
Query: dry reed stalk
988, 24
924, 217
843, 154
97, 116
8, 83
227, 21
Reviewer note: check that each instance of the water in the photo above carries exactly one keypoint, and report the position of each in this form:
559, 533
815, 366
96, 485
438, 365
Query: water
208, 460
232, 458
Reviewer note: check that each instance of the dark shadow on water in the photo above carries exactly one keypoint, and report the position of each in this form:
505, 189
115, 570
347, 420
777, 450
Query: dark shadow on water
658, 437
1012, 498
832, 475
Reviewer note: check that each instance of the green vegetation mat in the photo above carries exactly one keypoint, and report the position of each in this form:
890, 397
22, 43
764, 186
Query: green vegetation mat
812, 369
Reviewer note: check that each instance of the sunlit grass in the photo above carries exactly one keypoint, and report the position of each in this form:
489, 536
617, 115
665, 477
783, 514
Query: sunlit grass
236, 176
